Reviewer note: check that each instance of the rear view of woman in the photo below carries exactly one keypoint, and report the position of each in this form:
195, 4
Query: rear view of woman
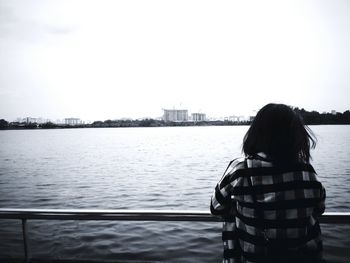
271, 198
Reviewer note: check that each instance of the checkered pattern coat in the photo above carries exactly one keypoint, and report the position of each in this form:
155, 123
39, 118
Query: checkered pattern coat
288, 201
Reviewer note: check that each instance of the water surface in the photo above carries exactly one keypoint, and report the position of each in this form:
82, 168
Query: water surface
140, 168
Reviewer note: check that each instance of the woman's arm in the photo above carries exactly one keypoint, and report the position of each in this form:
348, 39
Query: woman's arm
321, 206
221, 202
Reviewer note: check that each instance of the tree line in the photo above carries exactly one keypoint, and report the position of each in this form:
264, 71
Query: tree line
115, 124
316, 118
309, 117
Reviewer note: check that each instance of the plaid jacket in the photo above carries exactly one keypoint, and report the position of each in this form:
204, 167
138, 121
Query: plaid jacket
288, 201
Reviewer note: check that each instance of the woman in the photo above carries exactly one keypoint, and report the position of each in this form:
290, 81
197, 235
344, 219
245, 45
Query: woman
270, 200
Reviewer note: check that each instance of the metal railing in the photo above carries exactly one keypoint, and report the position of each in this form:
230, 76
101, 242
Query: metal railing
129, 215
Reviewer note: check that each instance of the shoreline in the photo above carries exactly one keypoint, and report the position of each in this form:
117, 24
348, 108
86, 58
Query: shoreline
89, 126
123, 124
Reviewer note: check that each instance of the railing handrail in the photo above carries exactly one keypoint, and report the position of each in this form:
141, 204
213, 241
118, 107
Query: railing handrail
127, 215
137, 215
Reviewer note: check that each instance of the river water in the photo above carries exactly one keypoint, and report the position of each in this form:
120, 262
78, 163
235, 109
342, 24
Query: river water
141, 168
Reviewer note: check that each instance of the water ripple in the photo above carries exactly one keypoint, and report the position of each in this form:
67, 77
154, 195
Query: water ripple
175, 168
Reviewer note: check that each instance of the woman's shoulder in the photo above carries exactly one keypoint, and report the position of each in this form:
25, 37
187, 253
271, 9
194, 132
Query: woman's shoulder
247, 162
262, 160
235, 165
233, 171
259, 160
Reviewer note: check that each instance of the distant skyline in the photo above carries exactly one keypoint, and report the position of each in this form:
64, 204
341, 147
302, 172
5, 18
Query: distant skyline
43, 119
99, 60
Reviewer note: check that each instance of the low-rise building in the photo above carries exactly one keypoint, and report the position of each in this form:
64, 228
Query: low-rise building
72, 121
232, 118
33, 120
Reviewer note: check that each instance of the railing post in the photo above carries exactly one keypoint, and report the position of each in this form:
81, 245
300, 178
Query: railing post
25, 240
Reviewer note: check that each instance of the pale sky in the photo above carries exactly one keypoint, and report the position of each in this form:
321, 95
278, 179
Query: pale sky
100, 60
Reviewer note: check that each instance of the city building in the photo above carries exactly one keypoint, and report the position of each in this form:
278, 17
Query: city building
198, 117
72, 121
175, 115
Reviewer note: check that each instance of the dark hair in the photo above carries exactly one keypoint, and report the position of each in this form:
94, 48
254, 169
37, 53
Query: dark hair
279, 131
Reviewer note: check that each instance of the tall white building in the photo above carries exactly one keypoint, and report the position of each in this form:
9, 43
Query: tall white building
175, 115
198, 117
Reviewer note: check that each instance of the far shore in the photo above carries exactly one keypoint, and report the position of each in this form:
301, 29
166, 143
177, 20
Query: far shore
45, 126
309, 117
122, 124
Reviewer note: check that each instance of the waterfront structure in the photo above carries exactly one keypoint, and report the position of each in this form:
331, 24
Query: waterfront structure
175, 115
72, 121
198, 117
24, 215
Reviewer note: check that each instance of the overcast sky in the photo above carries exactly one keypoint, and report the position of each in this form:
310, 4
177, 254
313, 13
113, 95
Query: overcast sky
112, 59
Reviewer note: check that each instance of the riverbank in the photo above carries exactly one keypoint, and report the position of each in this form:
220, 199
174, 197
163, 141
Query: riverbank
309, 117
120, 124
